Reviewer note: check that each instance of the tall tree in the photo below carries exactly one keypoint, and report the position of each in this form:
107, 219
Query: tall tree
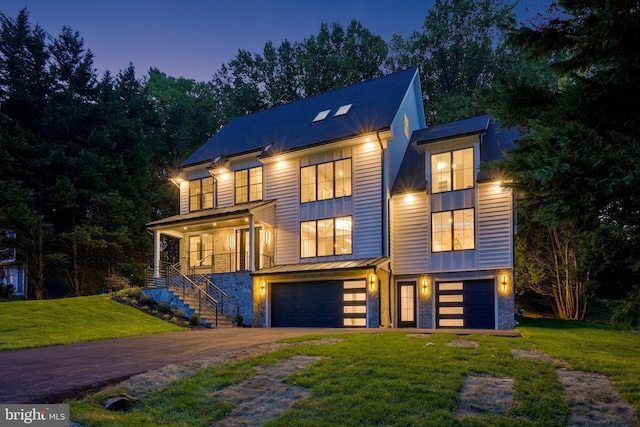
577, 165
458, 51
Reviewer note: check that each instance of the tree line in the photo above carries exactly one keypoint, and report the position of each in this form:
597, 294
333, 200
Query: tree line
87, 158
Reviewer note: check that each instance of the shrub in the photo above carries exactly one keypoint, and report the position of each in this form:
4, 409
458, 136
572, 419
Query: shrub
115, 282
145, 299
133, 292
164, 307
166, 316
144, 308
194, 320
179, 313
6, 291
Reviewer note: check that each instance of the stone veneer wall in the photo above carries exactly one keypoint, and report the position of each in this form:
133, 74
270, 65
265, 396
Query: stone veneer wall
238, 286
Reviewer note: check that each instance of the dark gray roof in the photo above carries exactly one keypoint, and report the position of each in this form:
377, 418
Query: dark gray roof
211, 213
319, 267
495, 141
472, 126
289, 127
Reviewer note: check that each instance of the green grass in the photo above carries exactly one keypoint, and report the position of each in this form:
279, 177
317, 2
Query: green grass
26, 324
392, 379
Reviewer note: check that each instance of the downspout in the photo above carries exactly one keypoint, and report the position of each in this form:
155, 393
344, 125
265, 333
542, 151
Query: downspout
383, 195
389, 284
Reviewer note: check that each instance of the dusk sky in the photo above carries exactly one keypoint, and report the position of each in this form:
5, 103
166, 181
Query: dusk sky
193, 38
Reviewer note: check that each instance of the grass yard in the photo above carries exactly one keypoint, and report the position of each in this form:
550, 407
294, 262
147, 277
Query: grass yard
393, 378
26, 324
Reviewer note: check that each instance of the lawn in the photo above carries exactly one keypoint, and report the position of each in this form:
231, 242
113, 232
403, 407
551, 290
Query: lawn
392, 378
25, 324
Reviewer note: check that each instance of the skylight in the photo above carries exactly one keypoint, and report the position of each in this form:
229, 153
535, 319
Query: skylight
321, 116
342, 110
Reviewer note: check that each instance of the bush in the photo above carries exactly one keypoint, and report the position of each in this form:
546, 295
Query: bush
179, 313
6, 291
132, 292
628, 312
164, 307
115, 282
194, 320
145, 300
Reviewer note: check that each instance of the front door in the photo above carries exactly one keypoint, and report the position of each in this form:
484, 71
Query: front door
407, 305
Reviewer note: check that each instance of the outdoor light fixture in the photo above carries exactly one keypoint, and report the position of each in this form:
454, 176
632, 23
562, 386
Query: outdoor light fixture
425, 285
504, 282
267, 238
230, 241
176, 181
372, 282
262, 287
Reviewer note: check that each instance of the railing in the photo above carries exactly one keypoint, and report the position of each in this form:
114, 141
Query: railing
228, 263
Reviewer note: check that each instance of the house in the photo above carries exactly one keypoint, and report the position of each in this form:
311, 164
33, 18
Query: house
12, 271
296, 214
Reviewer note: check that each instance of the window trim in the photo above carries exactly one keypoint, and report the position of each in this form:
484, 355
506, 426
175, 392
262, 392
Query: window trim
451, 172
333, 180
200, 196
247, 187
452, 230
334, 237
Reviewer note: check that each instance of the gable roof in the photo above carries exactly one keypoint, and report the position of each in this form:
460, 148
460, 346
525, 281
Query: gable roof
412, 174
374, 104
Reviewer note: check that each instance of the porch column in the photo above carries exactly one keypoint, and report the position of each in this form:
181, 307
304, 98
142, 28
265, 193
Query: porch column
156, 253
252, 244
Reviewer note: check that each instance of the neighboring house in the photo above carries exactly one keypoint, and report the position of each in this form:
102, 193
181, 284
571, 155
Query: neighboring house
12, 272
291, 212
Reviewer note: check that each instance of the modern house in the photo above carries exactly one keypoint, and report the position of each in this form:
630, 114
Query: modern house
300, 214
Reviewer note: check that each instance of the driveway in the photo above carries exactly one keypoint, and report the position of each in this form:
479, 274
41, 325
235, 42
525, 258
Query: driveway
50, 374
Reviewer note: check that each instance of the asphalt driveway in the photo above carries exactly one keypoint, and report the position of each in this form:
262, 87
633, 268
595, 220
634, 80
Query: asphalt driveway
50, 374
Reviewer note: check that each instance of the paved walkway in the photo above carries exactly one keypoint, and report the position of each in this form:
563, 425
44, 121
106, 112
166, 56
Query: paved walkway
49, 374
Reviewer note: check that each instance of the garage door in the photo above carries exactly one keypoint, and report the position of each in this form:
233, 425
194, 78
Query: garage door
326, 304
466, 304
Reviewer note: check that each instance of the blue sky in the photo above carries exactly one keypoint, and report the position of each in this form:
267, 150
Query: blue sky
192, 38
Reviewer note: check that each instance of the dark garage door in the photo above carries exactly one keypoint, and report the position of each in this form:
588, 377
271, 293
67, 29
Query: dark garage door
466, 304
307, 304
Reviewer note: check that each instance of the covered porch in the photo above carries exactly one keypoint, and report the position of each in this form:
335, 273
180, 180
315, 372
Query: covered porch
222, 240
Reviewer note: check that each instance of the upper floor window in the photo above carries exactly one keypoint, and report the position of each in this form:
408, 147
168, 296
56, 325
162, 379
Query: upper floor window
248, 185
452, 170
325, 181
325, 237
453, 230
201, 194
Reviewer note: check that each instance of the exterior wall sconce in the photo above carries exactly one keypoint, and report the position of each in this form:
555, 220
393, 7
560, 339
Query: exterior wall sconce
177, 181
425, 285
504, 283
262, 287
231, 241
267, 237
372, 282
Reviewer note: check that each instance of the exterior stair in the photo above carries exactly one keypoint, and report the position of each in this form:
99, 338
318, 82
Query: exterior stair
190, 305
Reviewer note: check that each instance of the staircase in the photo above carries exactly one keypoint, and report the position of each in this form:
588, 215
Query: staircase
189, 301
196, 294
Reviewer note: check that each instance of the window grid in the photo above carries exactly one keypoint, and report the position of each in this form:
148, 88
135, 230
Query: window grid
326, 237
201, 194
325, 181
452, 170
453, 230
248, 185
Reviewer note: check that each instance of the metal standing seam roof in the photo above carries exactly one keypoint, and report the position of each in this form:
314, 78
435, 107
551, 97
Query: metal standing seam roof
320, 267
211, 213
374, 105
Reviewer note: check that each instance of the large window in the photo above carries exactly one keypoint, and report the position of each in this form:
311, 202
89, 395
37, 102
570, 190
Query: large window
200, 250
453, 230
325, 181
452, 170
248, 185
325, 237
201, 194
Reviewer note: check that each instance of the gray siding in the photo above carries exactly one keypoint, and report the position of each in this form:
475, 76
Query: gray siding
410, 233
184, 198
225, 190
281, 183
495, 237
367, 196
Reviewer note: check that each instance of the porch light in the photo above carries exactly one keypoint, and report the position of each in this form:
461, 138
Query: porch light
372, 282
504, 283
425, 285
262, 287
267, 238
230, 241
176, 180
